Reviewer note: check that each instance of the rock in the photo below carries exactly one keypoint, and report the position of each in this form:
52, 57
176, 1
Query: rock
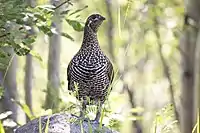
61, 123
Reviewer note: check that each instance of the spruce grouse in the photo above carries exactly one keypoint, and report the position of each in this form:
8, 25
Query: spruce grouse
90, 71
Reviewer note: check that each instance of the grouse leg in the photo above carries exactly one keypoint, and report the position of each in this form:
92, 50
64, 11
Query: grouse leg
83, 111
98, 114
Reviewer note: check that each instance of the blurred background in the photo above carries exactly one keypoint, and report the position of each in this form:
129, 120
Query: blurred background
151, 43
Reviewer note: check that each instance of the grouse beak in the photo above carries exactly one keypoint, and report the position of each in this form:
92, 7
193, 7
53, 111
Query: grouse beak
103, 18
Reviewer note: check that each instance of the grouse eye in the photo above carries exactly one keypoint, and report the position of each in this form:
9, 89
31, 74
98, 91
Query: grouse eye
93, 17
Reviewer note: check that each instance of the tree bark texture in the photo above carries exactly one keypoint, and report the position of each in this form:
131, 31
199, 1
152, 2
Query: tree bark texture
188, 47
28, 82
197, 83
110, 29
10, 85
52, 97
28, 85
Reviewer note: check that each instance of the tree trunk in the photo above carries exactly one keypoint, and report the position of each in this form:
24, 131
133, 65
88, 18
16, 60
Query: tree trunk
188, 47
29, 72
187, 79
197, 82
28, 82
110, 29
52, 97
10, 85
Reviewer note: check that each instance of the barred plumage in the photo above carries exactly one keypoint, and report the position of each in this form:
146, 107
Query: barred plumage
90, 68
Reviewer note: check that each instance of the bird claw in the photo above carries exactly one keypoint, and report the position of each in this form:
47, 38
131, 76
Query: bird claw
94, 122
82, 119
86, 119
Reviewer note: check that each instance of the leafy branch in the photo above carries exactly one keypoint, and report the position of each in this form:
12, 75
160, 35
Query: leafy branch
68, 1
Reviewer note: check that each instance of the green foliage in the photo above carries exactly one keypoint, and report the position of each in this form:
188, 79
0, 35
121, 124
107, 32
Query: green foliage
115, 124
25, 108
81, 124
42, 17
164, 121
75, 24
90, 127
4, 59
36, 55
135, 114
13, 27
1, 91
197, 125
129, 3
67, 36
47, 125
1, 128
17, 20
78, 10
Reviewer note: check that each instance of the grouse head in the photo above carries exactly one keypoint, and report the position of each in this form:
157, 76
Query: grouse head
94, 21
